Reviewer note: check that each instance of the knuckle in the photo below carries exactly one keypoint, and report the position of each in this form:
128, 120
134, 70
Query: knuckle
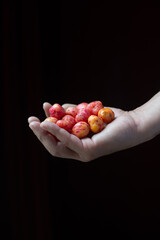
65, 105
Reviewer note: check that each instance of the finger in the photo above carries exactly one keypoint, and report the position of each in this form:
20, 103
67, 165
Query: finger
44, 137
49, 142
31, 119
46, 107
39, 132
69, 140
66, 105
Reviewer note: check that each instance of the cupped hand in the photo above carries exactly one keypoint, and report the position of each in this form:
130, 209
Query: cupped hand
118, 135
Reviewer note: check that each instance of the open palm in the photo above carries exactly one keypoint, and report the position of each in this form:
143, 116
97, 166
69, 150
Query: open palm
118, 135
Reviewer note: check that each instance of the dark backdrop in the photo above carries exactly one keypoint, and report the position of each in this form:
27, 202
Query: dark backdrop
74, 51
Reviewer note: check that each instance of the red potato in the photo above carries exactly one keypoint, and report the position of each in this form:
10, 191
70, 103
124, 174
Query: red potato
72, 111
57, 111
94, 107
96, 124
82, 105
81, 129
51, 119
82, 115
64, 124
70, 120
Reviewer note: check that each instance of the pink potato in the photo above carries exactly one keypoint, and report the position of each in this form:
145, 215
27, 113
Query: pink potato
96, 124
82, 115
64, 124
94, 107
51, 119
57, 111
82, 105
81, 129
72, 111
70, 120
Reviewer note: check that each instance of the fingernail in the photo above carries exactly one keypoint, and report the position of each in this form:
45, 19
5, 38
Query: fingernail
44, 103
28, 119
30, 127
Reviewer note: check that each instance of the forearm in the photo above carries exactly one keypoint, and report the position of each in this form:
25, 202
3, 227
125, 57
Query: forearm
147, 118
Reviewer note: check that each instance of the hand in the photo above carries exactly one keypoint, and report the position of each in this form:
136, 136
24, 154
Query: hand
118, 135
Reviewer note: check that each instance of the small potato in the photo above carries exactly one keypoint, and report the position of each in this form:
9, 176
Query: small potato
81, 129
82, 105
106, 114
96, 124
51, 119
64, 124
72, 111
82, 115
94, 107
70, 120
57, 111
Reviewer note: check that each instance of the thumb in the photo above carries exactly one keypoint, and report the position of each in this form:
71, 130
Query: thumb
66, 105
46, 107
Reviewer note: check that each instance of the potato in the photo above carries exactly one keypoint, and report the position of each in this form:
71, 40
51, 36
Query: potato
70, 120
81, 129
57, 111
94, 107
51, 119
96, 124
82, 115
64, 124
72, 111
106, 114
82, 105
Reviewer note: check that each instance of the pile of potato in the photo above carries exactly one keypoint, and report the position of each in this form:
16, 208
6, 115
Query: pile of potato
82, 119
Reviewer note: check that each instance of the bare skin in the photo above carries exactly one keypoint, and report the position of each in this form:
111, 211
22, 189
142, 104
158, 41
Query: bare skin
129, 129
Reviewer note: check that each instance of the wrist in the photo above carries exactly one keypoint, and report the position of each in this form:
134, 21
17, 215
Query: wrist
147, 122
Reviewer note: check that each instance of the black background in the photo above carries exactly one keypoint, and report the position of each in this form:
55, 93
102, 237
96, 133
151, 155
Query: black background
75, 51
